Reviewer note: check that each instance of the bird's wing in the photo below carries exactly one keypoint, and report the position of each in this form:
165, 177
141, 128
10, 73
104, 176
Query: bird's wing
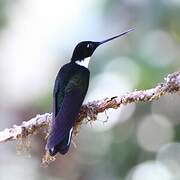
61, 130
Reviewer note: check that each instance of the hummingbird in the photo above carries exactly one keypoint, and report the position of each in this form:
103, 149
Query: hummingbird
70, 89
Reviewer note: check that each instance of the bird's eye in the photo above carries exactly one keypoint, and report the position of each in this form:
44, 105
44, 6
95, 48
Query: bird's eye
89, 45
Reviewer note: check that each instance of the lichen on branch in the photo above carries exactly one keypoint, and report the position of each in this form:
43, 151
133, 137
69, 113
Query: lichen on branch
90, 110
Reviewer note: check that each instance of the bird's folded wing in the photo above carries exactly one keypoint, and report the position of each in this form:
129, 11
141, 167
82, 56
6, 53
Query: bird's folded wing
66, 116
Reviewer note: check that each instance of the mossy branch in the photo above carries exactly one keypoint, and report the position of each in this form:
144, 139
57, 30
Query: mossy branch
90, 110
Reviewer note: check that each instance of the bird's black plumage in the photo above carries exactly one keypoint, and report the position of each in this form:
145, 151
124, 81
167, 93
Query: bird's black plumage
70, 90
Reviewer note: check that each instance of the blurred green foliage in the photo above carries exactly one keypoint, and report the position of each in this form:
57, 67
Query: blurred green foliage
4, 7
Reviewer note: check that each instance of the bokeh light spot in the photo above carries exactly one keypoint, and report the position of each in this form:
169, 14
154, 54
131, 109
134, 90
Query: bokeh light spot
169, 155
154, 131
151, 170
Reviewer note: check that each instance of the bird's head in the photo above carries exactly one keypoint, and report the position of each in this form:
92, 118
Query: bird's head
85, 49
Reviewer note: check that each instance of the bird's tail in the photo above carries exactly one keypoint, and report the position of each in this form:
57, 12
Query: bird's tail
63, 146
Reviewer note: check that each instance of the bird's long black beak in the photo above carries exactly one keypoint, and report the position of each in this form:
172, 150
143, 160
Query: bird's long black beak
102, 42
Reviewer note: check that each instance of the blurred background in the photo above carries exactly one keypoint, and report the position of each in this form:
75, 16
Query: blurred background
139, 141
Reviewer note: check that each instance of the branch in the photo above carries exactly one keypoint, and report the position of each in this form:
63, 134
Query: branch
90, 110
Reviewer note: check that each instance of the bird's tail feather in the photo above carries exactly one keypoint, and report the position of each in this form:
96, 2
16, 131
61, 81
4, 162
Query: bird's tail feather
63, 146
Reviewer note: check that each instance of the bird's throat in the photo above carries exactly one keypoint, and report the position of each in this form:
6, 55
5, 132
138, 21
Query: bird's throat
84, 62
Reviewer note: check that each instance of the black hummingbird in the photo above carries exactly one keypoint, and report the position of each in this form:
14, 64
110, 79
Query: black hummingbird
70, 89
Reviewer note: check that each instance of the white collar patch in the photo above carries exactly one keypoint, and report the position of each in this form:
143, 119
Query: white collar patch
84, 62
